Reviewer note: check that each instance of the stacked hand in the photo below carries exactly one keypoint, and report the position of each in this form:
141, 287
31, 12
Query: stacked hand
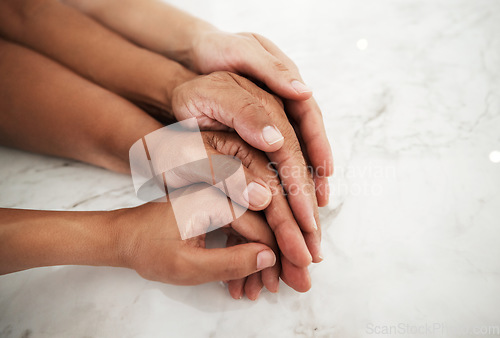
280, 131
157, 252
255, 56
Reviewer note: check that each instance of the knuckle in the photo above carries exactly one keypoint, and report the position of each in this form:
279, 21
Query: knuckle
212, 140
279, 226
275, 185
219, 76
274, 103
245, 155
237, 148
280, 66
294, 154
229, 144
250, 106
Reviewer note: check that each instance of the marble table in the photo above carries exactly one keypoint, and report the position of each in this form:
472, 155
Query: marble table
410, 92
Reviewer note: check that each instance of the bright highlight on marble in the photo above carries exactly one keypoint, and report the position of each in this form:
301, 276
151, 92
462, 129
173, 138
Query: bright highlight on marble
362, 44
495, 156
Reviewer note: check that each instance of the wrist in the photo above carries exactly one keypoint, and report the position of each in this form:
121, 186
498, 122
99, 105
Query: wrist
116, 145
179, 75
131, 236
153, 80
122, 237
102, 242
183, 51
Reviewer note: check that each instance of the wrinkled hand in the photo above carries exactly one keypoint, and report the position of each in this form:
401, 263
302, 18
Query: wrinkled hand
257, 57
151, 244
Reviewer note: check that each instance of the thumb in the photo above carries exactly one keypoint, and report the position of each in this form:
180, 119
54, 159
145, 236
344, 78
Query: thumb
234, 262
270, 65
281, 78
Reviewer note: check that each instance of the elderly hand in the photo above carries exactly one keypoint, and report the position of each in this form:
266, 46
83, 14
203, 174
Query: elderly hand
255, 56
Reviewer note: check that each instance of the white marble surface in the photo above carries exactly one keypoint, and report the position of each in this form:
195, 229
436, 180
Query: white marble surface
411, 237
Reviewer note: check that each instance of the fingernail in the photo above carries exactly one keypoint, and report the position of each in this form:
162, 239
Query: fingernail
320, 254
256, 194
271, 135
300, 87
265, 259
315, 225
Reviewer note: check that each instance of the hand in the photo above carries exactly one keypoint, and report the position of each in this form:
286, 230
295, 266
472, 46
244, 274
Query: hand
224, 100
262, 184
151, 244
257, 57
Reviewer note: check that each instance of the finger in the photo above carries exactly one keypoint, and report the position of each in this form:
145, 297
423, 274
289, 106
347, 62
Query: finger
313, 241
278, 214
309, 119
257, 195
271, 276
295, 277
253, 227
299, 187
297, 182
235, 287
322, 190
321, 183
267, 63
231, 263
253, 286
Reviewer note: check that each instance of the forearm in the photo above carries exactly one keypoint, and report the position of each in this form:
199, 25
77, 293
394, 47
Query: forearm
152, 24
83, 45
31, 238
46, 108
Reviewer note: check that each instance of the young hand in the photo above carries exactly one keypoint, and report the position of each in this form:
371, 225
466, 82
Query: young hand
151, 244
